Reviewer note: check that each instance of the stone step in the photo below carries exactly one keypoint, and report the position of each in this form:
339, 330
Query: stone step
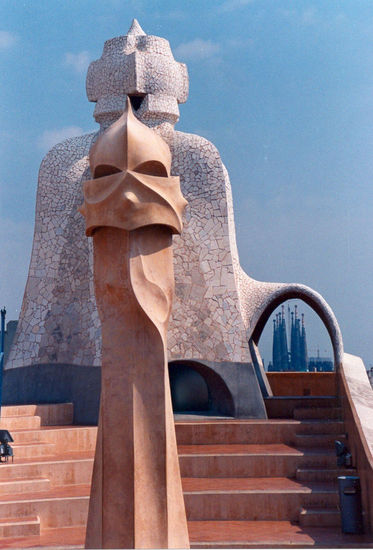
326, 413
20, 423
24, 485
32, 449
50, 414
318, 440
73, 438
320, 517
60, 537
18, 410
235, 431
269, 534
218, 534
254, 498
318, 458
309, 474
274, 460
27, 436
19, 527
61, 469
316, 426
64, 506
252, 431
283, 407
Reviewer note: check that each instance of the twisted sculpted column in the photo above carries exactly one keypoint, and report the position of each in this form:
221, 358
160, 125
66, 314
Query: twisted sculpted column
132, 207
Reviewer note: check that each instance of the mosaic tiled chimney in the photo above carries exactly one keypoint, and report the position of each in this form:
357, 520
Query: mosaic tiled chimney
219, 311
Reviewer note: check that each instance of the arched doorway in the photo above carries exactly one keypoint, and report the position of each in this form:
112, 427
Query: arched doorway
295, 339
318, 305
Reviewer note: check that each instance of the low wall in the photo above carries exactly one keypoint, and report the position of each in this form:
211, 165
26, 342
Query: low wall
63, 383
302, 383
357, 405
44, 384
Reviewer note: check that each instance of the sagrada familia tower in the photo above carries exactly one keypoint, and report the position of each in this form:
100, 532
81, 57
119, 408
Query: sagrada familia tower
297, 358
219, 311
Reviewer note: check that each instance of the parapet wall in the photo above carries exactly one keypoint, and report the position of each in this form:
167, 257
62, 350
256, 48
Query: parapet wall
357, 405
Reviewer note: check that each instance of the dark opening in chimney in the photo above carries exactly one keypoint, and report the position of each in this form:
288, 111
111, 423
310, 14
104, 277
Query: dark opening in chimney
136, 101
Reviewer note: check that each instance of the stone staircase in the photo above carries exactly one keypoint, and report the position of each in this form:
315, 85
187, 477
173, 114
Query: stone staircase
273, 483
44, 493
247, 483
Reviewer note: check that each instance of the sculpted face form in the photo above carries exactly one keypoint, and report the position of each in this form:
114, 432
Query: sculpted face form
131, 186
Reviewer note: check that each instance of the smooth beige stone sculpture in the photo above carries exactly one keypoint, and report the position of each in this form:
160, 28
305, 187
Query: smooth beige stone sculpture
132, 206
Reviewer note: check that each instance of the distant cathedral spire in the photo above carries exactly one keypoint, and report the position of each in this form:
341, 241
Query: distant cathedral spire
303, 348
276, 347
283, 342
297, 359
292, 341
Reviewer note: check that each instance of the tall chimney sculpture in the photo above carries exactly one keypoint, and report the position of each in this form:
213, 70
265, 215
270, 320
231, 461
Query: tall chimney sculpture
132, 206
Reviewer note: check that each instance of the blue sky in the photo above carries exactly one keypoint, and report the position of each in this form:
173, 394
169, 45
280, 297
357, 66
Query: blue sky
283, 88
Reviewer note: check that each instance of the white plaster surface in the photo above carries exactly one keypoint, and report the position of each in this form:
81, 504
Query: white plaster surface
361, 393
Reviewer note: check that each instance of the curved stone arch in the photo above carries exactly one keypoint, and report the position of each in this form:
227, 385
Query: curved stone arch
220, 396
311, 298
